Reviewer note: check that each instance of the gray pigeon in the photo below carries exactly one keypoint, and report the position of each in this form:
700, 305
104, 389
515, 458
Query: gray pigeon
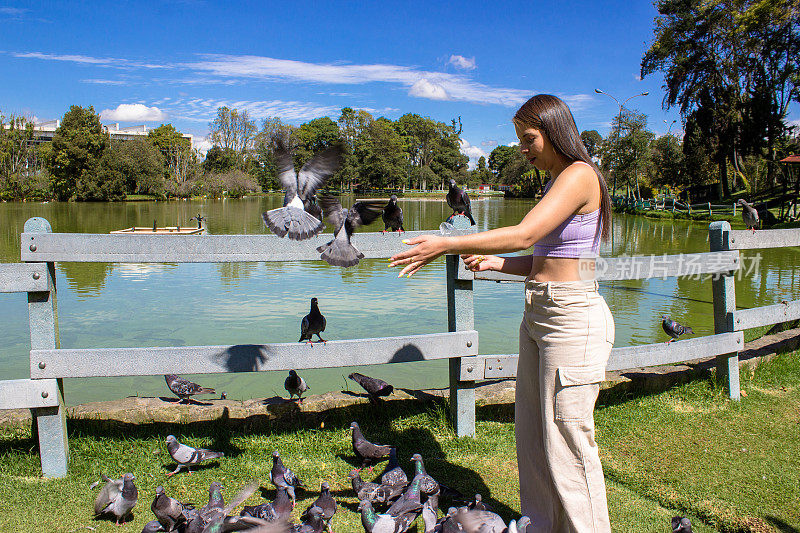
478, 505
375, 387
385, 523
367, 452
186, 456
428, 485
295, 385
458, 200
314, 522
325, 503
749, 215
218, 519
479, 521
681, 525
183, 388
279, 509
373, 492
117, 497
673, 329
392, 216
284, 478
168, 511
339, 251
312, 324
152, 527
293, 219
393, 475
519, 526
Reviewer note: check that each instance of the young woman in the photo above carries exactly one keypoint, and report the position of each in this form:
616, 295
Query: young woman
567, 331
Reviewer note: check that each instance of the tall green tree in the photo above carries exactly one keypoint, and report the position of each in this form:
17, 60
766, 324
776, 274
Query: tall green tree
668, 162
78, 145
233, 130
379, 149
592, 141
139, 163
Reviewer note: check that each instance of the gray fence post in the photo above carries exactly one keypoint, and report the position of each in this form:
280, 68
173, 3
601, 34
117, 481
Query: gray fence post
49, 423
724, 295
460, 316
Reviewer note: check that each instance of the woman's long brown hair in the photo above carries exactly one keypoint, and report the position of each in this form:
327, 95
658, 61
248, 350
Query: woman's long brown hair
549, 114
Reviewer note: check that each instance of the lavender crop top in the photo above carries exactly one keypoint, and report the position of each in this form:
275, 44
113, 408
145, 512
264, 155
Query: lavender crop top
578, 236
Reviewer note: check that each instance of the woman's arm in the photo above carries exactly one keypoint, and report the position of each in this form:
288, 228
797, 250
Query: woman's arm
519, 265
569, 193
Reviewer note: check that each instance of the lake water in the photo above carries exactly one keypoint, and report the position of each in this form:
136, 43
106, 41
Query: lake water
125, 305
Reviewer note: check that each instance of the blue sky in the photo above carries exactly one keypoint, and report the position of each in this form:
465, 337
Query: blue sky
177, 61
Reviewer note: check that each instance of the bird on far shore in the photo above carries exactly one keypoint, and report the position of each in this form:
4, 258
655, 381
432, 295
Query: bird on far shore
393, 216
749, 215
312, 324
294, 219
458, 200
673, 329
183, 388
339, 251
375, 387
295, 385
187, 456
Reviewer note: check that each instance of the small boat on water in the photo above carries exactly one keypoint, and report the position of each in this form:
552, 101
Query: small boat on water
169, 230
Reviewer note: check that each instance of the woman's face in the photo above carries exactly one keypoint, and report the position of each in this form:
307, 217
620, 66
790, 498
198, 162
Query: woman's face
535, 146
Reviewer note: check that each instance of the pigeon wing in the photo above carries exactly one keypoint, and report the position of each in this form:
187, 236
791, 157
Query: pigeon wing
317, 170
184, 454
364, 213
333, 211
286, 174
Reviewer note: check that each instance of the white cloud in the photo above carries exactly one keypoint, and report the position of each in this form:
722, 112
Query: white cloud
463, 63
98, 81
473, 152
489, 142
13, 11
425, 89
201, 144
204, 109
133, 113
88, 60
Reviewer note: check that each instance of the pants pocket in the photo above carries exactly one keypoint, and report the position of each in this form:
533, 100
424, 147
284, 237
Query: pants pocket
576, 392
610, 327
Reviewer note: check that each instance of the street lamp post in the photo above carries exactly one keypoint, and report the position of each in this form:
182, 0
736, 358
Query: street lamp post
670, 125
619, 125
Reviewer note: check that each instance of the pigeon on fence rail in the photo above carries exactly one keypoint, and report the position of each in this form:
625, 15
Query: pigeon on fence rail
283, 477
385, 523
393, 216
681, 525
458, 200
749, 215
312, 324
375, 387
117, 497
186, 456
673, 329
367, 452
339, 251
393, 475
295, 385
294, 219
168, 511
183, 388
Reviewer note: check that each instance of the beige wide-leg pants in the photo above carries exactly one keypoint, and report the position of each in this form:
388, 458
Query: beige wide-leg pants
564, 342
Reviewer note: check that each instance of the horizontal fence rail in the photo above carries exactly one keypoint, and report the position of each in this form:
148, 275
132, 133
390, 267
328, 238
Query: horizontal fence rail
97, 362
28, 393
766, 315
641, 267
626, 358
24, 277
82, 247
763, 238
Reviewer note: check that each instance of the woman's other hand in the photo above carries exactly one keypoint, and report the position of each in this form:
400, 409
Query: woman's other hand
426, 249
481, 263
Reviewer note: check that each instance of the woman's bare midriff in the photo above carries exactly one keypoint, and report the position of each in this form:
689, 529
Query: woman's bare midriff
561, 269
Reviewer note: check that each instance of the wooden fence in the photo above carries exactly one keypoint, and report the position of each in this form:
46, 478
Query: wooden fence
49, 363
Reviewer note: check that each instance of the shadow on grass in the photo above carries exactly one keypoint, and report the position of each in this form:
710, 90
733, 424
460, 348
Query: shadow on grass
780, 525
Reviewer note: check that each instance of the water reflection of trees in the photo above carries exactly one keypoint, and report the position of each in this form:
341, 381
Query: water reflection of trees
86, 279
230, 274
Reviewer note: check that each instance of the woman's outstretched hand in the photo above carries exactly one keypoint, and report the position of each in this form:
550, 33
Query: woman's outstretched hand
428, 248
481, 263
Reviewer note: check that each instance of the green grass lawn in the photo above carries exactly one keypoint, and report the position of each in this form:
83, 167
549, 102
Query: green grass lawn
685, 450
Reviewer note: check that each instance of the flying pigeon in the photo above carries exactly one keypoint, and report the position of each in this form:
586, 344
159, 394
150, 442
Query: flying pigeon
749, 215
312, 324
325, 503
117, 497
339, 251
168, 511
186, 456
393, 216
366, 451
293, 219
295, 385
385, 523
681, 525
282, 477
393, 475
183, 388
458, 200
673, 329
375, 387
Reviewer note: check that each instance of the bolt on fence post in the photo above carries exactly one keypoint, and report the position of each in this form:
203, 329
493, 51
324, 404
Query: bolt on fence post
724, 295
460, 317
